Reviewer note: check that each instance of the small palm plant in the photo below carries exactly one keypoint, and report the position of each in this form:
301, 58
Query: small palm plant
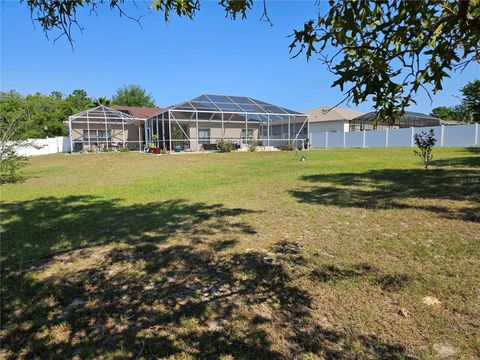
102, 100
425, 143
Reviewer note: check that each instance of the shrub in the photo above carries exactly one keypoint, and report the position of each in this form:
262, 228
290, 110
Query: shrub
287, 147
163, 151
107, 150
177, 137
11, 124
225, 145
425, 143
253, 145
124, 149
306, 144
10, 162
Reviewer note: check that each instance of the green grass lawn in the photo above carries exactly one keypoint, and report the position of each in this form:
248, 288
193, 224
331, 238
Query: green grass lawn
242, 255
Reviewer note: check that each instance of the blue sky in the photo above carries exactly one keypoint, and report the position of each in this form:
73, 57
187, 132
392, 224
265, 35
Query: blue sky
182, 59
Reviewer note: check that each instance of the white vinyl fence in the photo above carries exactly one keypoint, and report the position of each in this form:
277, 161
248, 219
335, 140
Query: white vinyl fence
452, 136
45, 146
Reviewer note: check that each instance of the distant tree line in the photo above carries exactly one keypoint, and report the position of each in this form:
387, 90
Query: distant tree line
39, 115
469, 108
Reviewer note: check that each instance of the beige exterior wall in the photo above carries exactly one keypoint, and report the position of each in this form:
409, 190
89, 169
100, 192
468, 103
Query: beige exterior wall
232, 132
128, 134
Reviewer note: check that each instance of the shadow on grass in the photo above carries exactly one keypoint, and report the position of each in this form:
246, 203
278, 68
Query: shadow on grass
87, 277
392, 188
463, 161
43, 227
387, 282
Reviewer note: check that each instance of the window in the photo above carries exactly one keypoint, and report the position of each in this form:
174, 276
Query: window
204, 136
96, 135
90, 136
249, 134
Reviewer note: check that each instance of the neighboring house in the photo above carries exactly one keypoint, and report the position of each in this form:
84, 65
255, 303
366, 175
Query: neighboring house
193, 125
201, 122
408, 120
105, 127
452, 122
328, 119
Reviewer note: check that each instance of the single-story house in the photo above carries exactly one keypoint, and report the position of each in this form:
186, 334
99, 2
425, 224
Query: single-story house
327, 119
201, 122
193, 125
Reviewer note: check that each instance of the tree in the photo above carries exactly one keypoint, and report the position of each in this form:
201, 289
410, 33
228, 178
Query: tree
388, 50
10, 160
76, 102
33, 116
385, 50
461, 113
45, 114
12, 104
443, 112
471, 99
452, 113
12, 124
102, 100
468, 110
425, 143
132, 95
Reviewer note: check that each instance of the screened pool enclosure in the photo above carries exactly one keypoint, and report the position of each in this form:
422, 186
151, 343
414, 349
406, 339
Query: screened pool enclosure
198, 124
407, 120
103, 128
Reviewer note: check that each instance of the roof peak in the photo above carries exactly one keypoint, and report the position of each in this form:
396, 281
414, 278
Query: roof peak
231, 104
332, 113
135, 107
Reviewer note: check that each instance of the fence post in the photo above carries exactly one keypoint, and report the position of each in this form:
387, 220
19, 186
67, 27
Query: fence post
413, 135
476, 134
344, 139
363, 140
326, 140
386, 138
442, 127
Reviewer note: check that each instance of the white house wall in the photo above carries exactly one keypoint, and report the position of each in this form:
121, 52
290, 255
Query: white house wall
329, 126
232, 131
